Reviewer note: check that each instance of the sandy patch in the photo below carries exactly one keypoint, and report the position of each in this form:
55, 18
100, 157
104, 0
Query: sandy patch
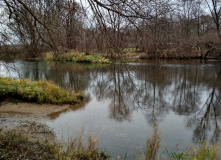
29, 119
30, 108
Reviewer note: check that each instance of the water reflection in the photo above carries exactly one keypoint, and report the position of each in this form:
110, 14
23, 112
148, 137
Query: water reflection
75, 107
208, 117
156, 92
118, 86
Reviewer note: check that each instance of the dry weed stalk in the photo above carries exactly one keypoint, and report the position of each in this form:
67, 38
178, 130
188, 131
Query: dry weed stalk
153, 144
78, 149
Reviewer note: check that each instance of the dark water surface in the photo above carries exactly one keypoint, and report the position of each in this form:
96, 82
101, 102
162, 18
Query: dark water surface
125, 100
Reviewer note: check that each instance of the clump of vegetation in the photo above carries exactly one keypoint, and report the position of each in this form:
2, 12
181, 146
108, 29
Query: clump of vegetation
15, 146
129, 52
48, 56
37, 91
91, 59
203, 152
143, 56
74, 56
153, 144
78, 149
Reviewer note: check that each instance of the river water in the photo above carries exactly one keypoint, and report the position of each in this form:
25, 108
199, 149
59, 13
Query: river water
123, 101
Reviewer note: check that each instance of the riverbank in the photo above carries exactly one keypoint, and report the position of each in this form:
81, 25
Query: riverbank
126, 55
22, 116
37, 91
25, 135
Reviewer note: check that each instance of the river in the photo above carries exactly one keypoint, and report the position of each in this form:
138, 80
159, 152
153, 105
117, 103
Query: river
123, 101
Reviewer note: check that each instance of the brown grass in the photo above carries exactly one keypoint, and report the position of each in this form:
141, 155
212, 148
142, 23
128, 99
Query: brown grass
78, 149
153, 144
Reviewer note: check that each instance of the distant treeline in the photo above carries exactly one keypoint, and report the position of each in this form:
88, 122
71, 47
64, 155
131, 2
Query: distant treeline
156, 26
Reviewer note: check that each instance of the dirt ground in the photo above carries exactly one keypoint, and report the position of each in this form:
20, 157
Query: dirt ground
29, 119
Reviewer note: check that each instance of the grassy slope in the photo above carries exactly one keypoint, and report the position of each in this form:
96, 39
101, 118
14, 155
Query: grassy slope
37, 91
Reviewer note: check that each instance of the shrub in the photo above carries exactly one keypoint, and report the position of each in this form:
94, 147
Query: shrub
74, 56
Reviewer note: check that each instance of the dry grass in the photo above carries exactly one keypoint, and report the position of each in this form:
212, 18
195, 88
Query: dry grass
78, 149
48, 56
14, 145
153, 144
204, 151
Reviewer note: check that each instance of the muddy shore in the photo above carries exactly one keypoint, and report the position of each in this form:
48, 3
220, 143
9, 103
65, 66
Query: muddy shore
29, 119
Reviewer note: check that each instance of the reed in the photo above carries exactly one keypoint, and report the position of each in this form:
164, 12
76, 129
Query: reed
153, 144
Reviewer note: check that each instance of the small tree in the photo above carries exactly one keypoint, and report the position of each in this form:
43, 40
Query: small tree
215, 10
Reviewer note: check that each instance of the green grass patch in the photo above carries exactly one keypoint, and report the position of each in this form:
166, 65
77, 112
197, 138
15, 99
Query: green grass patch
74, 56
37, 91
129, 54
203, 152
91, 59
129, 50
143, 56
48, 56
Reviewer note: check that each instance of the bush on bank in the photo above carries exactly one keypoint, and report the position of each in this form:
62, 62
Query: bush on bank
73, 56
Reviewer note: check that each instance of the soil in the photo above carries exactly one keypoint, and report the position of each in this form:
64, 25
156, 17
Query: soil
13, 146
29, 119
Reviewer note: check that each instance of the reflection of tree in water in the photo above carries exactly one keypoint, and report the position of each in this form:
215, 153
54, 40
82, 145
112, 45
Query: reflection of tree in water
117, 84
33, 70
153, 86
132, 87
208, 118
69, 76
152, 89
74, 107
186, 91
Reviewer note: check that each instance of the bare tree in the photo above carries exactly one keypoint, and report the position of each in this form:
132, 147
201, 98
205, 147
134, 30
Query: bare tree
41, 23
215, 10
159, 28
